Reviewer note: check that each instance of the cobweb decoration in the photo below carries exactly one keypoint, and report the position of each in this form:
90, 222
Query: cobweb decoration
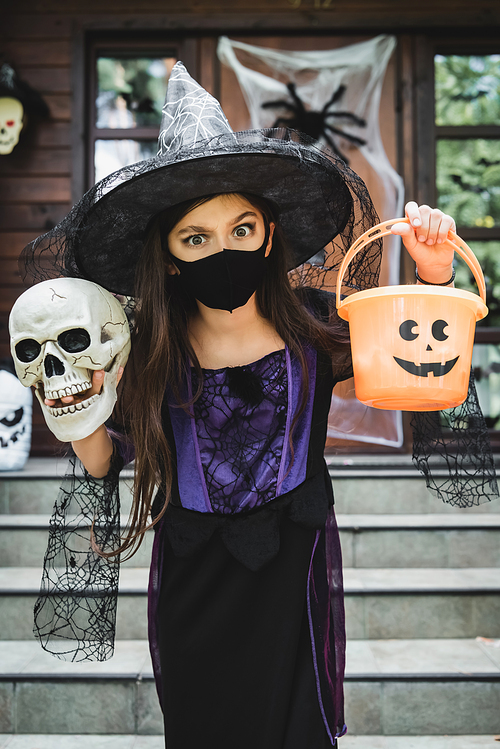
357, 70
75, 613
452, 450
189, 115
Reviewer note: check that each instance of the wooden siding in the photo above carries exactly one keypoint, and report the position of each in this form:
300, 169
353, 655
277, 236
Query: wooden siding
35, 179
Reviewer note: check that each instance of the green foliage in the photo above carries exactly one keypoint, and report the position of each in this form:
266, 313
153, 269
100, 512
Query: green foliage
468, 180
467, 89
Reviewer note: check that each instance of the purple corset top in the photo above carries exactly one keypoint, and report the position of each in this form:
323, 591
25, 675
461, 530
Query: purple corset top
241, 421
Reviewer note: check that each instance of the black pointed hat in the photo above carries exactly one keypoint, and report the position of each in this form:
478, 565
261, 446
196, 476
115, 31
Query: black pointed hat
316, 196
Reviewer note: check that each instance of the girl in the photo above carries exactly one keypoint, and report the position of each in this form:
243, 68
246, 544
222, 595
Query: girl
225, 400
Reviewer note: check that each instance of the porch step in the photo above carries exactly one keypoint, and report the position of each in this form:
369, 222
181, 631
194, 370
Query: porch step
375, 484
62, 741
380, 603
158, 742
433, 540
392, 688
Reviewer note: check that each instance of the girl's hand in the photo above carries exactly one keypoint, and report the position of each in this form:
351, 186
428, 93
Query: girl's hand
97, 383
424, 238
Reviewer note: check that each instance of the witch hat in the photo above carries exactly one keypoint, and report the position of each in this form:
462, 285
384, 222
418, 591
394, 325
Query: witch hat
315, 195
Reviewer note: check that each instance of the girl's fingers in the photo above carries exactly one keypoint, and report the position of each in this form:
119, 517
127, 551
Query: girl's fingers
423, 231
447, 224
413, 213
97, 381
435, 219
119, 375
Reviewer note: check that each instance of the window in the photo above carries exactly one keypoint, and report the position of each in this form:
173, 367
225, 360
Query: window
127, 85
467, 159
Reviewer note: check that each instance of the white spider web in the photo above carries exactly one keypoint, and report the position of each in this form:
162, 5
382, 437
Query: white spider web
317, 75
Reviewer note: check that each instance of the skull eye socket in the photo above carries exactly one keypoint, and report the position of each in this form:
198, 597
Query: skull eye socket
75, 340
438, 330
28, 350
406, 330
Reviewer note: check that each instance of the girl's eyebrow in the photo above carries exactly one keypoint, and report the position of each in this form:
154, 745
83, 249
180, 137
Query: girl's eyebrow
244, 215
204, 230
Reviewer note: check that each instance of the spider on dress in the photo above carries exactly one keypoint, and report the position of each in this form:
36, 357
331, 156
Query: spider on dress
314, 123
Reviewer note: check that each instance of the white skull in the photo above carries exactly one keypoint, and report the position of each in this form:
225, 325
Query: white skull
11, 123
61, 331
16, 404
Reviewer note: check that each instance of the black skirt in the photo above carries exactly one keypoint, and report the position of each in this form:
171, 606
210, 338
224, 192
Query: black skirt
235, 649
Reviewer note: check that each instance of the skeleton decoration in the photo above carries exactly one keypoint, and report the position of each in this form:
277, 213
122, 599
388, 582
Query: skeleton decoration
61, 332
317, 88
11, 123
16, 405
17, 100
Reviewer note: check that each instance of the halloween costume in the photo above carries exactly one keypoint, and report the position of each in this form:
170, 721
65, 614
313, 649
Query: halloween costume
245, 597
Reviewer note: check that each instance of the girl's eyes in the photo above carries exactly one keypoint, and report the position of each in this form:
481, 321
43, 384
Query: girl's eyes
242, 231
195, 240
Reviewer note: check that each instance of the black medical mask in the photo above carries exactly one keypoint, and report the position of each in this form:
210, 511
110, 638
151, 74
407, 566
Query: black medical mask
225, 280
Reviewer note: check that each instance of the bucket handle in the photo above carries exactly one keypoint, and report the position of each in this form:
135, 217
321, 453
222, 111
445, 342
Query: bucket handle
384, 229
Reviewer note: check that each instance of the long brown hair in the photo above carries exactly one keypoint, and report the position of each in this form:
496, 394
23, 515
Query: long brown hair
161, 351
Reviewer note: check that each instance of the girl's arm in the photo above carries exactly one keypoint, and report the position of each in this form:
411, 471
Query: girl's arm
96, 450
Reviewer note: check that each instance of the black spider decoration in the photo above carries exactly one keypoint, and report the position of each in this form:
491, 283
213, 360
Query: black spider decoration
314, 123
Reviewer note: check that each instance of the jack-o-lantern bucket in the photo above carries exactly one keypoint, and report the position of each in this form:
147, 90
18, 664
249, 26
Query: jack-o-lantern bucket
412, 345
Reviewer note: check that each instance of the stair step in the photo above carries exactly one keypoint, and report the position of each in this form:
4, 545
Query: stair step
380, 603
362, 484
431, 540
456, 659
23, 541
394, 687
84, 741
72, 741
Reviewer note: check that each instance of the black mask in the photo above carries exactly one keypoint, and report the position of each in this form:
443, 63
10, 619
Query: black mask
225, 280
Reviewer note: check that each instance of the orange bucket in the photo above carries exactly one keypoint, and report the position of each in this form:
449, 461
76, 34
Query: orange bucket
412, 345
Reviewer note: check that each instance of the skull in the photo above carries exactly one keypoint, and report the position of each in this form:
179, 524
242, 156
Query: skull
61, 331
15, 422
11, 123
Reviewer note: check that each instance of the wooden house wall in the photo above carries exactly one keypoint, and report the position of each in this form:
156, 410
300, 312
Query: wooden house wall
45, 41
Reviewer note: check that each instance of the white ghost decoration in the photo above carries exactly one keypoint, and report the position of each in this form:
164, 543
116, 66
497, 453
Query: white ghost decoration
11, 123
61, 331
16, 405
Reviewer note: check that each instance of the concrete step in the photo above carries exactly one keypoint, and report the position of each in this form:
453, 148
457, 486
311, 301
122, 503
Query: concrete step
61, 741
392, 688
375, 484
71, 741
380, 603
23, 541
434, 540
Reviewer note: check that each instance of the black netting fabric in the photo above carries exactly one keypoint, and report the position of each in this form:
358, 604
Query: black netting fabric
452, 450
322, 207
76, 611
240, 422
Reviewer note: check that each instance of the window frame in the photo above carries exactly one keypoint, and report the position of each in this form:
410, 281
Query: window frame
125, 46
432, 133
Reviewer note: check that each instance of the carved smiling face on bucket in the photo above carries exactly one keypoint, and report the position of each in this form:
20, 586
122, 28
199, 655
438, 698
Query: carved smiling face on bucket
61, 331
408, 330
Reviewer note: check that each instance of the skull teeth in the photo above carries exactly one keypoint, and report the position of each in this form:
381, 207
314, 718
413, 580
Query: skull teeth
73, 407
54, 395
